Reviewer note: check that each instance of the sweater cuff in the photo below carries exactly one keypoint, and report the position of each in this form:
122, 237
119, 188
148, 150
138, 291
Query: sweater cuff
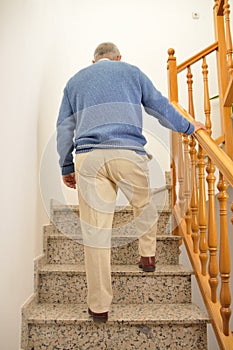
67, 169
190, 129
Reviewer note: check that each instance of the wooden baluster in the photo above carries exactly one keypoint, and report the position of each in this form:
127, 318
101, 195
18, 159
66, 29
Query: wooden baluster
212, 224
224, 256
173, 96
194, 197
212, 231
181, 176
202, 211
207, 107
187, 191
190, 92
201, 165
193, 156
226, 12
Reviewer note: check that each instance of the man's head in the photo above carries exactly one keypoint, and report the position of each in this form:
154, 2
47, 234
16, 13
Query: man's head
107, 50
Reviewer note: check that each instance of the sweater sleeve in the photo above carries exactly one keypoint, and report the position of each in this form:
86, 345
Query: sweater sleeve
158, 106
65, 135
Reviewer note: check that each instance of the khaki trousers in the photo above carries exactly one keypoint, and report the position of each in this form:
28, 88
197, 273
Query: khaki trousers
99, 174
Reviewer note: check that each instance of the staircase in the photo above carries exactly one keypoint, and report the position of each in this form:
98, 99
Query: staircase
152, 310
149, 310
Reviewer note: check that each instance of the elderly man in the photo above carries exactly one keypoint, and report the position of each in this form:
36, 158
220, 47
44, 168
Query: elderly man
101, 118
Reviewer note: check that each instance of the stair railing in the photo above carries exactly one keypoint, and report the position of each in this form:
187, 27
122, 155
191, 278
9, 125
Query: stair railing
199, 167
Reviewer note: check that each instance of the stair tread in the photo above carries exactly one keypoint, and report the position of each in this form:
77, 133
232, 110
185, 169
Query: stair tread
132, 313
119, 209
159, 237
118, 269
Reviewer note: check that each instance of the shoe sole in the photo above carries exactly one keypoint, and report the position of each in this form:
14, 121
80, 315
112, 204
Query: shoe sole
147, 268
98, 318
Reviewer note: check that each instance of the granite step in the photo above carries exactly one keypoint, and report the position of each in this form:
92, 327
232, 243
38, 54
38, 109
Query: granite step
67, 284
149, 310
66, 220
61, 249
130, 327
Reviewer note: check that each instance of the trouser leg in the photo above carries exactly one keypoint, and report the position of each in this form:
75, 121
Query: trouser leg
133, 178
146, 241
97, 194
97, 251
97, 197
98, 272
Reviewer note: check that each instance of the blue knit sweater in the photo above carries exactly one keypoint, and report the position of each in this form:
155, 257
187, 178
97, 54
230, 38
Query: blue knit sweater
102, 108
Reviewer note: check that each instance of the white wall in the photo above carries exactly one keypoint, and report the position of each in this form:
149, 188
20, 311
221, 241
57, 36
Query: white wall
21, 64
43, 43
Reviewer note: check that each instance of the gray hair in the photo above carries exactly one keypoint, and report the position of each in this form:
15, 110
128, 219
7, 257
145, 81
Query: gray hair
108, 50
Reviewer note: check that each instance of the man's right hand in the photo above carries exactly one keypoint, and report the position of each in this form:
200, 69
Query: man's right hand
69, 180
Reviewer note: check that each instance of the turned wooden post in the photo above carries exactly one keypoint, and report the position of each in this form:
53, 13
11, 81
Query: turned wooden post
202, 211
187, 191
190, 92
229, 51
207, 108
224, 256
193, 156
212, 227
212, 231
173, 96
194, 197
201, 165
181, 198
187, 163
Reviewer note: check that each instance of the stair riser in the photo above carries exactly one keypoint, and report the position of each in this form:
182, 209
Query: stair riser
67, 251
71, 288
68, 222
88, 336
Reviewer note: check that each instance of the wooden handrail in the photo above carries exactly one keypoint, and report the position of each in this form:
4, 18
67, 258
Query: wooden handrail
197, 57
219, 157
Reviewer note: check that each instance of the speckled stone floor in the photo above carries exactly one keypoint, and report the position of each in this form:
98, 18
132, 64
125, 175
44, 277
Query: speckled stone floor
61, 249
130, 313
66, 220
149, 310
67, 283
141, 326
